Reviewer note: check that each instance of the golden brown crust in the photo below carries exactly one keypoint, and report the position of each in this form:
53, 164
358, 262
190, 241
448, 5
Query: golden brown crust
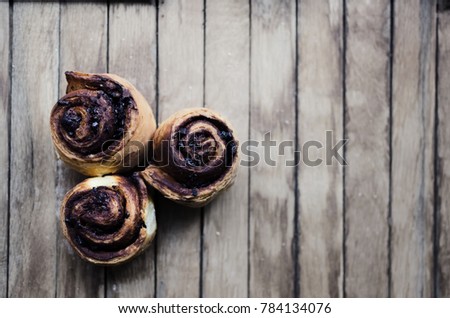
194, 157
102, 125
108, 220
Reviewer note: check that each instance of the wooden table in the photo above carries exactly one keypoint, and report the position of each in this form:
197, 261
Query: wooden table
373, 72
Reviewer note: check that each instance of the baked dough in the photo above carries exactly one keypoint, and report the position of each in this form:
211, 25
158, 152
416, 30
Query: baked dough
194, 155
103, 125
108, 220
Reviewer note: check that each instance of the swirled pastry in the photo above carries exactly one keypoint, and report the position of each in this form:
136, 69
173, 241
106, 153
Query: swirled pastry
102, 125
194, 156
108, 220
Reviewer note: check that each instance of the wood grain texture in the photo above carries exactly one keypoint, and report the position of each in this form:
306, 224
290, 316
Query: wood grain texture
132, 54
4, 143
180, 51
33, 226
227, 91
272, 188
367, 153
413, 99
365, 230
443, 168
85, 52
320, 110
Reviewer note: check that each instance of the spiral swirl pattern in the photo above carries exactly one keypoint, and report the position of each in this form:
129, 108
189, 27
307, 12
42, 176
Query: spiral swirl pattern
93, 124
194, 157
108, 220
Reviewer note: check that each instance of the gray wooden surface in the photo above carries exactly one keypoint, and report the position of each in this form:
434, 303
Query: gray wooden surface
367, 184
374, 72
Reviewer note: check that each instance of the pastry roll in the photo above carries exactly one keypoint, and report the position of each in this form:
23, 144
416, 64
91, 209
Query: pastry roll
108, 220
194, 157
102, 125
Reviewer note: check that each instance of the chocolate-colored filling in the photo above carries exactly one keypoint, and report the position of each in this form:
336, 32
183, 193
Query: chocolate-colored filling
70, 121
200, 164
197, 148
95, 216
92, 120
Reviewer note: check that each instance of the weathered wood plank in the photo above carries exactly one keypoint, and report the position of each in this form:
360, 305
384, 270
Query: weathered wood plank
272, 188
227, 91
413, 109
367, 153
4, 143
180, 51
443, 168
84, 52
320, 110
33, 225
132, 54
